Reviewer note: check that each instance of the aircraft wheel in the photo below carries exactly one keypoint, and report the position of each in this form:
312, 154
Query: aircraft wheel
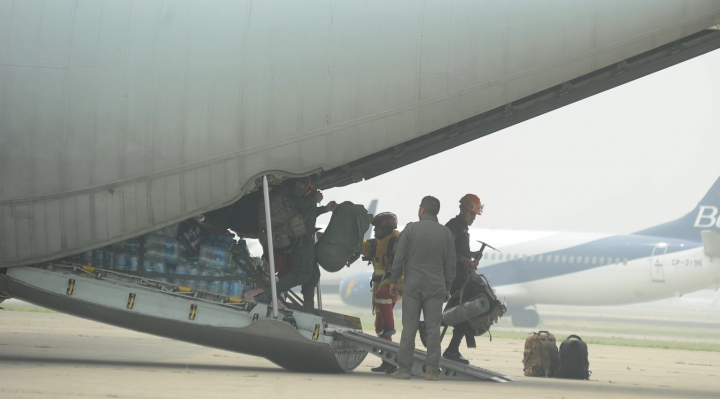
533, 318
518, 318
526, 318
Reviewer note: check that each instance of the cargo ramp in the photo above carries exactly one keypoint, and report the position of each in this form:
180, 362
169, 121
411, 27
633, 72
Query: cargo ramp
387, 351
323, 342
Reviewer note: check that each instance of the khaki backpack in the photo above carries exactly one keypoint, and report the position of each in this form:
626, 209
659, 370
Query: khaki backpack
341, 243
287, 224
541, 355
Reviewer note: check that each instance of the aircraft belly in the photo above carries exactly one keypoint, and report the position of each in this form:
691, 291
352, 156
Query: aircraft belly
159, 99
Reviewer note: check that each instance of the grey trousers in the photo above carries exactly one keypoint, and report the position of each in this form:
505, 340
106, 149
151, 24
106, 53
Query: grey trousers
413, 301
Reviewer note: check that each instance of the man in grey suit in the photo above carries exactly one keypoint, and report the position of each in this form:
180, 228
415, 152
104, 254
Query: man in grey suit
426, 251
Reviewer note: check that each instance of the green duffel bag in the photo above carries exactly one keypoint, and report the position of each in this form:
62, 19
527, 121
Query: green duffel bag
341, 243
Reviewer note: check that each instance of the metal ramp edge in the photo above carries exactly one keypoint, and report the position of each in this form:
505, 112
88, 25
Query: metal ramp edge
387, 350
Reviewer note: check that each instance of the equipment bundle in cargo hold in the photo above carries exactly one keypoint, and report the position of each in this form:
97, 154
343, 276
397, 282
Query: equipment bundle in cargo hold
185, 254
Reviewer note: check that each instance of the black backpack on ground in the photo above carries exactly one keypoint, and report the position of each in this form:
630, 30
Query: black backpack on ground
574, 359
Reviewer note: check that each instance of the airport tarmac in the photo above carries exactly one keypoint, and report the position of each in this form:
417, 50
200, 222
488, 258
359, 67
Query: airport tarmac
52, 355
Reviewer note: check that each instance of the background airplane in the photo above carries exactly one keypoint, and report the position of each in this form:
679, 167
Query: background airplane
590, 269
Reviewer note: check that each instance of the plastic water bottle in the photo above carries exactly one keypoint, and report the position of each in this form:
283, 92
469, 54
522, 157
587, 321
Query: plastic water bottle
109, 258
133, 262
181, 270
225, 288
185, 269
214, 286
165, 248
132, 244
97, 257
157, 266
236, 289
168, 255
243, 285
222, 241
122, 260
214, 257
196, 270
201, 285
161, 267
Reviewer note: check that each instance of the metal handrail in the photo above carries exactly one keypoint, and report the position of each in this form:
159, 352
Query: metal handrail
271, 255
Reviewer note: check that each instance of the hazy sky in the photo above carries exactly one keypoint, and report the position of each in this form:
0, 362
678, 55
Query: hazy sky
626, 159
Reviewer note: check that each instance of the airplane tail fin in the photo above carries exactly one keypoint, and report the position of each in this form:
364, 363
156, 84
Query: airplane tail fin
372, 208
705, 217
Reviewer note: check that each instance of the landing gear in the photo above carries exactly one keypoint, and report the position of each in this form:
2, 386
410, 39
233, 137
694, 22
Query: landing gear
525, 318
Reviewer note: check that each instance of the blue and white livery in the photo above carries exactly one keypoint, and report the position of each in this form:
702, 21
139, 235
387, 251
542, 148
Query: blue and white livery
589, 269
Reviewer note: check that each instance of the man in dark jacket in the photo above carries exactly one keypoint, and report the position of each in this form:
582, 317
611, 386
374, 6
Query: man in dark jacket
470, 207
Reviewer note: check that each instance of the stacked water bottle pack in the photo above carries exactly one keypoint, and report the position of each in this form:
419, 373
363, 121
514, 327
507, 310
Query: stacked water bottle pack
180, 252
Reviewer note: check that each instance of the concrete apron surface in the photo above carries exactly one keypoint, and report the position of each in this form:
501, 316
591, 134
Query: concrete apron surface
51, 355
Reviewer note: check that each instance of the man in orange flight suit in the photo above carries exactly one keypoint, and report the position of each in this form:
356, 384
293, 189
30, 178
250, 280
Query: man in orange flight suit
380, 251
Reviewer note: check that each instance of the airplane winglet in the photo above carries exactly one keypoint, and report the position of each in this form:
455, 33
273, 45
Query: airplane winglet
711, 243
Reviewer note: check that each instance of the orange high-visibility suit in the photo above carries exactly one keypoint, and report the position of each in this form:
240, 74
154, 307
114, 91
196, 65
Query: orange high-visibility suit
381, 254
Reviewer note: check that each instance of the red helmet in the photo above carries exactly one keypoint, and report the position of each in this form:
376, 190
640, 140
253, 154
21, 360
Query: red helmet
471, 202
385, 219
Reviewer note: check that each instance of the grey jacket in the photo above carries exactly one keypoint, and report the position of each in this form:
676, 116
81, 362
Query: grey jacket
427, 249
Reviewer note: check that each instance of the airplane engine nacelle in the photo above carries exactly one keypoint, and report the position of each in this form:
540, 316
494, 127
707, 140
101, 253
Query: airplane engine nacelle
355, 290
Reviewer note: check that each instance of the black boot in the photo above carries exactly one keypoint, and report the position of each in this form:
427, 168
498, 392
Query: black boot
381, 368
455, 356
308, 302
387, 332
385, 367
390, 369
308, 307
308, 294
